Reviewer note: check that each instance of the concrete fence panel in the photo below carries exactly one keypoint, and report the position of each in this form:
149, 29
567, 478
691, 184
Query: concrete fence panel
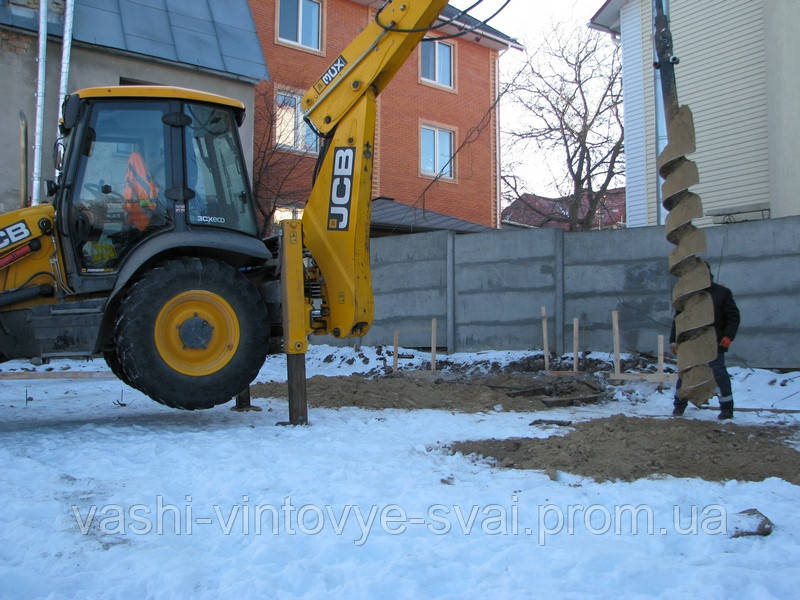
486, 290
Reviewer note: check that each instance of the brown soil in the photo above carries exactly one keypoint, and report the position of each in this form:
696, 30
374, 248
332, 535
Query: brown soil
628, 448
612, 448
421, 390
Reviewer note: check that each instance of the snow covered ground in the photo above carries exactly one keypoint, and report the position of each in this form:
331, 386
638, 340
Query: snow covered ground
107, 494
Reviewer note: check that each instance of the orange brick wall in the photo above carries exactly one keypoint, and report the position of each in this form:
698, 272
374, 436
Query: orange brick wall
402, 107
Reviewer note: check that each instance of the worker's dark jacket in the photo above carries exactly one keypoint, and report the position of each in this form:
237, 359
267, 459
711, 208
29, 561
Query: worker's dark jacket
726, 314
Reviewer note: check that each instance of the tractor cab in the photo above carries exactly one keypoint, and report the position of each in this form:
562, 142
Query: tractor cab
142, 162
149, 253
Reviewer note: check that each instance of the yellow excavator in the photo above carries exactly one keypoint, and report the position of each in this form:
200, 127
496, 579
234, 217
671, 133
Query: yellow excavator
149, 253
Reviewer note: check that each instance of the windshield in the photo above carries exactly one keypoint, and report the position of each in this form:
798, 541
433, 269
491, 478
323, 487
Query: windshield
215, 171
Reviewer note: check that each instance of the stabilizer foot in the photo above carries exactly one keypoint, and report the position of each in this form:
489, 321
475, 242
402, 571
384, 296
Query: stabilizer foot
243, 402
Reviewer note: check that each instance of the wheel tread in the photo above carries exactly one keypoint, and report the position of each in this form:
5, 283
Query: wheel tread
137, 316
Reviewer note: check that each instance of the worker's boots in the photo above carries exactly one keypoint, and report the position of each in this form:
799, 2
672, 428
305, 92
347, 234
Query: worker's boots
725, 408
678, 407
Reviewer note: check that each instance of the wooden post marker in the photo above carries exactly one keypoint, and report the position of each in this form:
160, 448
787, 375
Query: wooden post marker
575, 344
433, 344
659, 377
396, 344
615, 331
574, 347
544, 340
660, 370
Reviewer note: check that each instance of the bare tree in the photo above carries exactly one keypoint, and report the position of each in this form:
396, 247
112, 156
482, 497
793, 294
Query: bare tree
281, 177
570, 99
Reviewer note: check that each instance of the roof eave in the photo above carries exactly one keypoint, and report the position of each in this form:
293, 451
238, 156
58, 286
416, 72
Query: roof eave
483, 38
607, 18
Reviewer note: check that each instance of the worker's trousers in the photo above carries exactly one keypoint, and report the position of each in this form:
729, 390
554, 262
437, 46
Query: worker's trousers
720, 376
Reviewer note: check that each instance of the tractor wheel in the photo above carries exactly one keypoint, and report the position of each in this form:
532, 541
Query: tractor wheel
112, 360
191, 333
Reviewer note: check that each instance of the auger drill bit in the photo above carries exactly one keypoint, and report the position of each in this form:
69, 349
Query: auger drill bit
694, 321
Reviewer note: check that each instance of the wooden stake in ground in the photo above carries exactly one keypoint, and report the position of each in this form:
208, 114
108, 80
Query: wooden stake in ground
433, 344
659, 377
575, 345
396, 344
615, 332
544, 340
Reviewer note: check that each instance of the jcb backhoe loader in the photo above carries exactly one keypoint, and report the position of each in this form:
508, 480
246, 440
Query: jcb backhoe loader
149, 253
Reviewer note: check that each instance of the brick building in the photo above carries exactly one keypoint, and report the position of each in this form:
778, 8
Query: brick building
530, 210
435, 117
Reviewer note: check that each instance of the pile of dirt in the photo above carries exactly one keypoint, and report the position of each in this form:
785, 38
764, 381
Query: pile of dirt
614, 448
626, 448
519, 392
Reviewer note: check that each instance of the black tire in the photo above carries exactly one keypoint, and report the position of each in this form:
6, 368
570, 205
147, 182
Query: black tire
191, 333
112, 360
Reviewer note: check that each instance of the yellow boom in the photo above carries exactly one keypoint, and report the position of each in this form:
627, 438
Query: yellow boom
336, 221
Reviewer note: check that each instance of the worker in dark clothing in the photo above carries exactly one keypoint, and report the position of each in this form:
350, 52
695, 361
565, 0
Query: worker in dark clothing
726, 323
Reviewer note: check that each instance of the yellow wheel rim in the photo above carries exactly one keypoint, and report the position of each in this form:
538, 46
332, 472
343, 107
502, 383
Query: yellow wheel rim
197, 333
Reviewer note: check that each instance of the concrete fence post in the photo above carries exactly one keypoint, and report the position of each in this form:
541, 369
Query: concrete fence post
559, 302
450, 275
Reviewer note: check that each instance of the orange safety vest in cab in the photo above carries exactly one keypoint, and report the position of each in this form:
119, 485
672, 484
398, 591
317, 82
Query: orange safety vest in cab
140, 192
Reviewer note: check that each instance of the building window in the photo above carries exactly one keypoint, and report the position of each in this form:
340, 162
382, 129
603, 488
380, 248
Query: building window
437, 63
291, 131
436, 152
300, 22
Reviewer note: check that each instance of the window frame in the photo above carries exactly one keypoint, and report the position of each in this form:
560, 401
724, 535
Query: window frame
298, 44
231, 169
78, 168
301, 128
437, 172
436, 60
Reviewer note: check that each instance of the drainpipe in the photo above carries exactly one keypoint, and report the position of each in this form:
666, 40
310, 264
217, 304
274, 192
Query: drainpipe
66, 48
37, 143
498, 141
23, 160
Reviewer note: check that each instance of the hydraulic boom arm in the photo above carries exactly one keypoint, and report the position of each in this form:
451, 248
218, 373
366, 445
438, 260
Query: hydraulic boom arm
336, 220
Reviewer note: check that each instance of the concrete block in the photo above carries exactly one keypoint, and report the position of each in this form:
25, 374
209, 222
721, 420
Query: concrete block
411, 304
511, 307
505, 246
408, 248
534, 274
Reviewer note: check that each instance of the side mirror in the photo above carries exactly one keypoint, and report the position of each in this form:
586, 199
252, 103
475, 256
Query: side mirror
59, 151
52, 188
69, 111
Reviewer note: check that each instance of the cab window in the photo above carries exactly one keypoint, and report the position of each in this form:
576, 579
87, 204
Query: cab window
215, 171
120, 182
